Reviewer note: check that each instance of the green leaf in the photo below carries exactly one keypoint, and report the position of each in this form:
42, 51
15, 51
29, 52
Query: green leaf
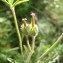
4, 1
11, 60
19, 2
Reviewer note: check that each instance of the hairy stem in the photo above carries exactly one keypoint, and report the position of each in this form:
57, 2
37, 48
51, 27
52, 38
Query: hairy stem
28, 44
51, 48
29, 57
33, 43
32, 50
17, 28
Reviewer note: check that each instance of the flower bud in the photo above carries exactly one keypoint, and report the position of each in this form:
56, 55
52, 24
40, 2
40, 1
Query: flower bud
24, 27
33, 31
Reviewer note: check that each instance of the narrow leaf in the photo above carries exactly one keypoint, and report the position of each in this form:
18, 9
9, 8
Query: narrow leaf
19, 2
4, 1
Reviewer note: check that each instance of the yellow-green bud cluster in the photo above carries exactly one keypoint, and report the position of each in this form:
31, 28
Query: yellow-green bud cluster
29, 29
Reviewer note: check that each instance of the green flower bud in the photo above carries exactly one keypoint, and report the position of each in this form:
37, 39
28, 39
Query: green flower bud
33, 28
33, 31
24, 27
29, 29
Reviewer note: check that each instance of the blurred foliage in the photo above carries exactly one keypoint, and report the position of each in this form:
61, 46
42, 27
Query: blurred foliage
5, 29
49, 18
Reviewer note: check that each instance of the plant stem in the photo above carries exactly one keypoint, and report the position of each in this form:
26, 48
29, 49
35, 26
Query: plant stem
51, 48
29, 57
33, 43
28, 44
31, 50
17, 28
50, 58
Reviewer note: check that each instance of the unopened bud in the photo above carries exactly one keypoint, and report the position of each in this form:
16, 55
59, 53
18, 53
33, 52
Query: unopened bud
33, 27
24, 21
24, 27
33, 30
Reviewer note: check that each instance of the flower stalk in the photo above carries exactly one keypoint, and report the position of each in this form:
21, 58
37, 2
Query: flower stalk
17, 28
33, 43
28, 44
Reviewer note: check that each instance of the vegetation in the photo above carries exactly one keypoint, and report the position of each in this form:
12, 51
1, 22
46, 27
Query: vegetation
31, 31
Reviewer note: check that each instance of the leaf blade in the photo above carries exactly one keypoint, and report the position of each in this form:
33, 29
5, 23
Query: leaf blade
19, 2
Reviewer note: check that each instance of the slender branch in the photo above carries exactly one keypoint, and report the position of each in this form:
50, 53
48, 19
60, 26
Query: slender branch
29, 57
28, 44
17, 28
32, 50
51, 48
33, 43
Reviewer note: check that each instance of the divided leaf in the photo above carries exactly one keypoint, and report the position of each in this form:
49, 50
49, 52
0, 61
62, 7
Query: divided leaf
12, 3
19, 2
